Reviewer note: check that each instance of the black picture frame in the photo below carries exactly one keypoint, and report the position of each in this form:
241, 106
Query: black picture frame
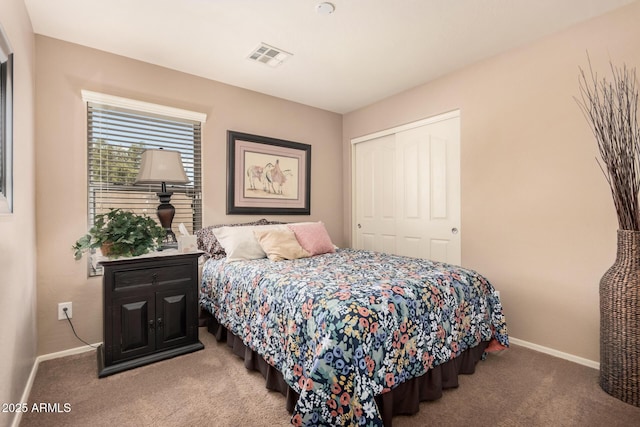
267, 176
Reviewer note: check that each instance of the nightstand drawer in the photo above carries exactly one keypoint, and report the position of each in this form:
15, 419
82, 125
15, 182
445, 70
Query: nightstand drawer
175, 274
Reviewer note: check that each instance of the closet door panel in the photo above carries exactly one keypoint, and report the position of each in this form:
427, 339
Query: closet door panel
375, 176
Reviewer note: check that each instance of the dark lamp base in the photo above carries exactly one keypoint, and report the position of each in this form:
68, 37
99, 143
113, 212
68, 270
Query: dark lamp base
166, 212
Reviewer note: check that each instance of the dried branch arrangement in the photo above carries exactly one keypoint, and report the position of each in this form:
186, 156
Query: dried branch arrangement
611, 108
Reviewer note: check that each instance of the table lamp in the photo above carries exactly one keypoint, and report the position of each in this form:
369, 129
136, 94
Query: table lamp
165, 167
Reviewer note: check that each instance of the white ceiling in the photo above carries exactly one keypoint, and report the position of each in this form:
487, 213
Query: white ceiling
365, 51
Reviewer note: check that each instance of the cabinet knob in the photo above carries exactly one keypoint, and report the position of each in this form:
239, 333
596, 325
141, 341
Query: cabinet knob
159, 322
151, 325
154, 278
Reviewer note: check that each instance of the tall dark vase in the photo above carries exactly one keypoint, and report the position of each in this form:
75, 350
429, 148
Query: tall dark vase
620, 322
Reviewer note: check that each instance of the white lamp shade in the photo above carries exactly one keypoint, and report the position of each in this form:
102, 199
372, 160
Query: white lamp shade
161, 166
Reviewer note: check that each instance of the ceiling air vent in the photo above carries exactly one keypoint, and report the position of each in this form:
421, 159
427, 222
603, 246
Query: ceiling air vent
269, 55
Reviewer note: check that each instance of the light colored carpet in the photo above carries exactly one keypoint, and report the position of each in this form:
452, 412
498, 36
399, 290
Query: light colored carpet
518, 387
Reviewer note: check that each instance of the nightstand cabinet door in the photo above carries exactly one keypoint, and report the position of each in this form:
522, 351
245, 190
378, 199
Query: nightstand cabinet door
134, 328
150, 310
174, 309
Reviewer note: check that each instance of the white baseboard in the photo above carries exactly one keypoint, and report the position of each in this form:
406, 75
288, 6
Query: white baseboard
562, 355
27, 391
70, 352
34, 370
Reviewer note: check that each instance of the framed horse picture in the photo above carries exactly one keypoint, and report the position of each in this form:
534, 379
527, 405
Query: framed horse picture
267, 175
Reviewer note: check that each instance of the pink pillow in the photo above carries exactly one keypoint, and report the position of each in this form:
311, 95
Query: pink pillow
313, 237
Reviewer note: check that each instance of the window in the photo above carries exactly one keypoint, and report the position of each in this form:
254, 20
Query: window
6, 125
118, 131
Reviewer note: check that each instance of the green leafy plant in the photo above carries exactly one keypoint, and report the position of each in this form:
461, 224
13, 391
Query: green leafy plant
120, 233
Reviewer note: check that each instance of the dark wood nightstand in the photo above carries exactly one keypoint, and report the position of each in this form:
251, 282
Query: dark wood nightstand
150, 310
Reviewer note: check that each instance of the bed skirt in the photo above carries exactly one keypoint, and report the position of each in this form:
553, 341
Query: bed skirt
402, 400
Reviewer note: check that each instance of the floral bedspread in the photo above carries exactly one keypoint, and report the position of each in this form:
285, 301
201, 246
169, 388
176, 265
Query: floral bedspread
345, 327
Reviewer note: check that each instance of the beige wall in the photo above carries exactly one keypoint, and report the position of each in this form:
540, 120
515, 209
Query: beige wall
63, 70
537, 216
17, 230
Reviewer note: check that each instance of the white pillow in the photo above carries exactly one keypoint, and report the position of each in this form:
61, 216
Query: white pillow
240, 243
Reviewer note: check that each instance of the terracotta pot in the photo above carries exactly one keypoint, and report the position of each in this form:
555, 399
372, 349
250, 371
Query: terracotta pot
105, 248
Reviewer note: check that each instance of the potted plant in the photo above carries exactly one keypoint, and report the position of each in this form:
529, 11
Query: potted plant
120, 233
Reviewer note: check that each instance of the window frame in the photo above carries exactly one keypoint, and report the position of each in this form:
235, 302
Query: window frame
131, 117
6, 124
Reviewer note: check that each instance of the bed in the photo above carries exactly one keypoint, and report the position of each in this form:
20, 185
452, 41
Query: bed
351, 337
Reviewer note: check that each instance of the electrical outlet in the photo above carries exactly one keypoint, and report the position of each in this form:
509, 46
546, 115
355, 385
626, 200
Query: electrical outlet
61, 307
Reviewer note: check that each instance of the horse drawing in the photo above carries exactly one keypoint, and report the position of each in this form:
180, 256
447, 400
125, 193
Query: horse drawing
267, 184
253, 173
275, 177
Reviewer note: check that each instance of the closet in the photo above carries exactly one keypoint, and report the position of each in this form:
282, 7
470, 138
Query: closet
406, 190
